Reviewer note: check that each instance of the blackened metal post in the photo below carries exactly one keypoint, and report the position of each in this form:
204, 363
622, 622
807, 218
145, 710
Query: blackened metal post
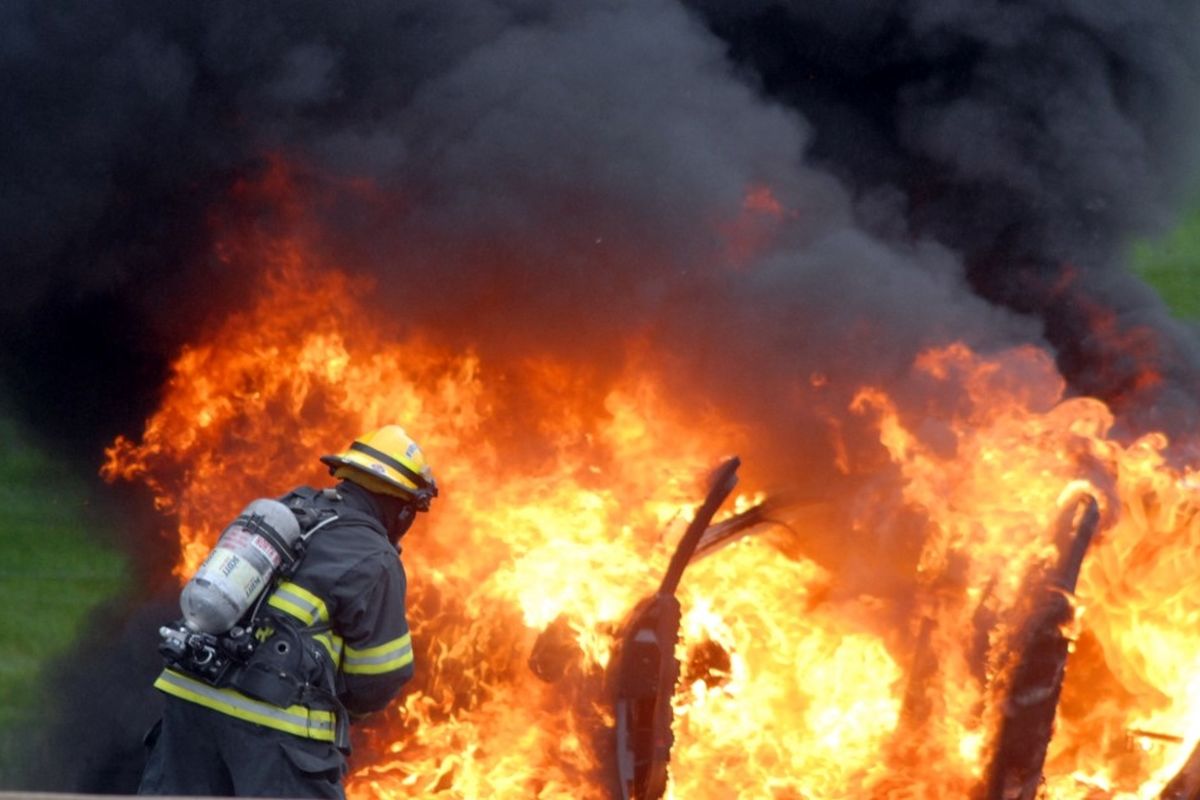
1031, 702
644, 669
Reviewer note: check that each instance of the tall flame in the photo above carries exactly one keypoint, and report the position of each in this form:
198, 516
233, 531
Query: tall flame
559, 513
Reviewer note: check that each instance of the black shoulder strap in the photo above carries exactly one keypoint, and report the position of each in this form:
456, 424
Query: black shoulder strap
303, 503
312, 515
314, 507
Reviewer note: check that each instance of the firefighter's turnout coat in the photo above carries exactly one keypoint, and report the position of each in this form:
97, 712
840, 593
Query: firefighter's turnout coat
333, 643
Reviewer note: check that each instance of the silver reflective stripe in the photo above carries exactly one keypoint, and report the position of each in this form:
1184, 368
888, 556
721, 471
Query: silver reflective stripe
332, 644
338, 644
383, 658
313, 724
299, 603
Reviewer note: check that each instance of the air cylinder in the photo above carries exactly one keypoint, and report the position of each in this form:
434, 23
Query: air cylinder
241, 565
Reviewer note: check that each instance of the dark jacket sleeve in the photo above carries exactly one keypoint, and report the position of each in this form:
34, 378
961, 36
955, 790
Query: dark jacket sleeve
377, 658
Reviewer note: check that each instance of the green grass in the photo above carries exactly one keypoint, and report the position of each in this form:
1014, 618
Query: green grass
54, 568
1172, 265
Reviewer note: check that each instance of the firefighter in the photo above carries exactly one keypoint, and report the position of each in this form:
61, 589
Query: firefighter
333, 644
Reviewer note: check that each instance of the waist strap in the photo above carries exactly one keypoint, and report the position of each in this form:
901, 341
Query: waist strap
297, 720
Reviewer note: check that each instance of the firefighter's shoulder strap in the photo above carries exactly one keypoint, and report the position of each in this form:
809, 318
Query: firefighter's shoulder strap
316, 508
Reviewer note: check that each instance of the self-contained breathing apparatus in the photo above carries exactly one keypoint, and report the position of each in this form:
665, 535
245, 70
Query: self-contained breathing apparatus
222, 628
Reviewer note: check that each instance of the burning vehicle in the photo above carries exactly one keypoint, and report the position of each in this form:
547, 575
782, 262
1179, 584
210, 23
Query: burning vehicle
586, 253
975, 677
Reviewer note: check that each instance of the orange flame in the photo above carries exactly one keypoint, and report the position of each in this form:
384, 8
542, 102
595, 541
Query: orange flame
793, 687
756, 226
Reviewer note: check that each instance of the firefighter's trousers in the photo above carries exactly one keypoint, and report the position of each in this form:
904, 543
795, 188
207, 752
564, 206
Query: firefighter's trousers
198, 751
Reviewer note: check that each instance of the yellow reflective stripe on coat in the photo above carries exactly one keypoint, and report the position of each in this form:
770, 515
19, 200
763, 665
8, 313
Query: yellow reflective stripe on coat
298, 720
332, 644
295, 600
379, 659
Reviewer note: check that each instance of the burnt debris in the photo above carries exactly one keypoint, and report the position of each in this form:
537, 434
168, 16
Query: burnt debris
1030, 700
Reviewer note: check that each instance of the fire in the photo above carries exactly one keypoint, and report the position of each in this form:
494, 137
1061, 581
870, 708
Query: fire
755, 227
1008, 456
579, 531
554, 522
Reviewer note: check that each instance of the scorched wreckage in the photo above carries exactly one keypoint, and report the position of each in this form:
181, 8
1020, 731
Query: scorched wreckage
587, 252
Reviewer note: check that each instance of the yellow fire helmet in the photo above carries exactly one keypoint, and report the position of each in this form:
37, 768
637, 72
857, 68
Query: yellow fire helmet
387, 461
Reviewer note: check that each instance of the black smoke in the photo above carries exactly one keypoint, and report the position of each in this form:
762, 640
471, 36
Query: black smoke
555, 177
550, 166
1034, 138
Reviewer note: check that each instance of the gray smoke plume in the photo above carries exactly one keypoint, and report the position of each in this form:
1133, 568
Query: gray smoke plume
788, 199
1033, 138
552, 166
